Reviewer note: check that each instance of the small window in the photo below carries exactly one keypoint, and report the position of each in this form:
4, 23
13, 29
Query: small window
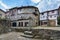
50, 16
26, 24
19, 24
45, 22
48, 12
52, 11
42, 13
55, 16
35, 9
14, 24
36, 22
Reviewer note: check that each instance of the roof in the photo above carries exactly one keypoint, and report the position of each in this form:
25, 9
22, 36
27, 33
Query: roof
49, 10
2, 10
23, 7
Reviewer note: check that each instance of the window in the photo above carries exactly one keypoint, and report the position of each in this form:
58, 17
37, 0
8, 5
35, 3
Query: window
36, 10
26, 23
20, 24
42, 13
45, 22
35, 13
55, 16
50, 16
14, 24
52, 11
48, 12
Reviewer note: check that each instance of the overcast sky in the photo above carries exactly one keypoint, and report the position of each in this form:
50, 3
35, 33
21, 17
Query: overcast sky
43, 5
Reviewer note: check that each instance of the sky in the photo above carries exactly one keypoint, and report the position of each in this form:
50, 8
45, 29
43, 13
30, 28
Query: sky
43, 5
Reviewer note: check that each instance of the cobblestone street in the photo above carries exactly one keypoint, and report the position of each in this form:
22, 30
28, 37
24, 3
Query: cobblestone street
14, 36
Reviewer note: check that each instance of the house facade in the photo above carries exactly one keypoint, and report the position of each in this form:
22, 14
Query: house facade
49, 17
2, 14
23, 16
43, 18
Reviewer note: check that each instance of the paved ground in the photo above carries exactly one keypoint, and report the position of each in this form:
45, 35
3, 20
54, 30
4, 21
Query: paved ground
51, 28
17, 35
14, 36
39, 27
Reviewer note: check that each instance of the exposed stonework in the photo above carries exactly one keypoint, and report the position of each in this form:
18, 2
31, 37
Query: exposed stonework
47, 34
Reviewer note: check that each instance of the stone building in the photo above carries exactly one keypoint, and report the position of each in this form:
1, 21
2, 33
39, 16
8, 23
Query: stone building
24, 16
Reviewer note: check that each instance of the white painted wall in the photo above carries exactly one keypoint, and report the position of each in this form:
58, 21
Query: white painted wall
43, 17
54, 16
55, 12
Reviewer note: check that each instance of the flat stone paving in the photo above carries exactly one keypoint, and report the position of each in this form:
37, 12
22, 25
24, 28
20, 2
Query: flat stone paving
51, 28
14, 36
17, 35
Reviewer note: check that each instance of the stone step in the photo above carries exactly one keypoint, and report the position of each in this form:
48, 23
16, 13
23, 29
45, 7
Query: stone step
28, 32
28, 36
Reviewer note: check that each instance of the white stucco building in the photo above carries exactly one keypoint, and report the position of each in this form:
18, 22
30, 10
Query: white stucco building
49, 17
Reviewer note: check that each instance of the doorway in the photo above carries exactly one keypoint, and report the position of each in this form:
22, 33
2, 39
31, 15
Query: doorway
20, 24
14, 24
26, 24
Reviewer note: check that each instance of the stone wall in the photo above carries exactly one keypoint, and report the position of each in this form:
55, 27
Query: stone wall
47, 34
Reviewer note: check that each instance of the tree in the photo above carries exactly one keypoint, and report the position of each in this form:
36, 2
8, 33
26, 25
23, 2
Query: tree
4, 25
58, 19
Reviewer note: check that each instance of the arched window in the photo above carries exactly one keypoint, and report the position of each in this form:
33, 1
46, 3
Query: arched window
14, 24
